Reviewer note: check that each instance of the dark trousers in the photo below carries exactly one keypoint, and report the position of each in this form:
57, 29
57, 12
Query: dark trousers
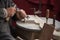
5, 31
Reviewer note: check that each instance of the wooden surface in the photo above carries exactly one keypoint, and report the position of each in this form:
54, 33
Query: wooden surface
47, 32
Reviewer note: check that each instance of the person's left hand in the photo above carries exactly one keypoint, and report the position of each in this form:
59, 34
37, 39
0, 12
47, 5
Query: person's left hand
11, 11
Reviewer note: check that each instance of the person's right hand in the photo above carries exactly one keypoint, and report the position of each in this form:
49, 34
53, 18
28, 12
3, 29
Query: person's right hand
21, 14
11, 11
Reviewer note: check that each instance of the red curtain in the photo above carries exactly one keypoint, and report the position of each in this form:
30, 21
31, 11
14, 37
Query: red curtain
27, 5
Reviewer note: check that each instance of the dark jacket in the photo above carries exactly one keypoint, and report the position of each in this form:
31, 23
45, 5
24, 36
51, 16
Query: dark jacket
4, 26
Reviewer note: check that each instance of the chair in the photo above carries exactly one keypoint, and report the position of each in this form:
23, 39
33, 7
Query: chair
47, 32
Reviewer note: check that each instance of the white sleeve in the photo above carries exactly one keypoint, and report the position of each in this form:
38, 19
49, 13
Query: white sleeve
5, 12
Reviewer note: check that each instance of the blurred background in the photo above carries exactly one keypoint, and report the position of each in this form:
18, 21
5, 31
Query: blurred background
28, 5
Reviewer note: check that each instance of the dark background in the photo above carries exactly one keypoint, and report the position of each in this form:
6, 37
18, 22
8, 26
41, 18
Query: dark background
53, 5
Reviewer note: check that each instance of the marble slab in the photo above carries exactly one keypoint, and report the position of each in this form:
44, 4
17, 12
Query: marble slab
36, 23
33, 22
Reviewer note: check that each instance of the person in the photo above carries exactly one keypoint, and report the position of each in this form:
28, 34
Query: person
7, 10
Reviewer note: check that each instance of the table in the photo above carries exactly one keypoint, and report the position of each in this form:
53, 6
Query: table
50, 21
31, 28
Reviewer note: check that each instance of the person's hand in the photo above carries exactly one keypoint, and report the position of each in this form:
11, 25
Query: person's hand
21, 14
11, 11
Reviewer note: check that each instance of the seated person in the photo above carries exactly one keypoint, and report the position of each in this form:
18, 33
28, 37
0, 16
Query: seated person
7, 10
